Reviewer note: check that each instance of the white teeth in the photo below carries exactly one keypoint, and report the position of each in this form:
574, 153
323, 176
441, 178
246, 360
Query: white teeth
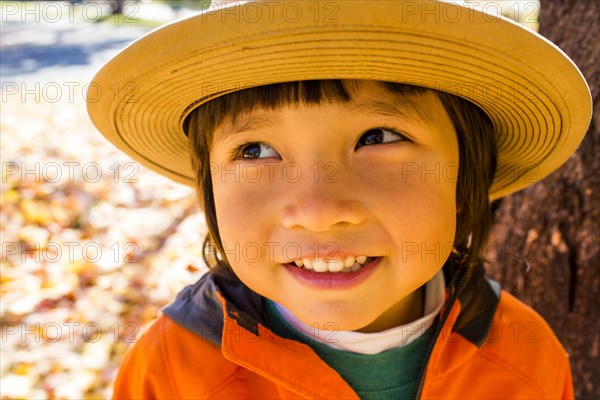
320, 265
348, 261
345, 265
307, 263
335, 265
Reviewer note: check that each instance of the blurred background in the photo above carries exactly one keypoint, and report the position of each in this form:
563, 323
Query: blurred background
94, 245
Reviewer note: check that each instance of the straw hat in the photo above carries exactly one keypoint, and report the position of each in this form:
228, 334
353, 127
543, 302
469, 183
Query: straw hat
536, 97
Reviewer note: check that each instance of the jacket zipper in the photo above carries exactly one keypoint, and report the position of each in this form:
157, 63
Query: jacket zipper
438, 330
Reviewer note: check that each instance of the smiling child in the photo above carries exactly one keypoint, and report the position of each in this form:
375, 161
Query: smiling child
345, 158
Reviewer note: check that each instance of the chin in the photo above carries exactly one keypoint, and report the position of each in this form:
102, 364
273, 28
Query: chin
333, 321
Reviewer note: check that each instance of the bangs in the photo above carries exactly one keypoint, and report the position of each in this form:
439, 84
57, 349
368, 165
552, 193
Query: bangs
211, 115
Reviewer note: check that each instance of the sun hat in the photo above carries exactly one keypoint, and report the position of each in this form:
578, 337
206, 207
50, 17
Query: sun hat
537, 99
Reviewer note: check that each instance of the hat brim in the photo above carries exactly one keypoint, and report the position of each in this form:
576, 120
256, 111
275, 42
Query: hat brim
536, 97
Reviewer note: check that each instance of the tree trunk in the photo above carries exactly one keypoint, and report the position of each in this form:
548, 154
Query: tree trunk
117, 7
545, 247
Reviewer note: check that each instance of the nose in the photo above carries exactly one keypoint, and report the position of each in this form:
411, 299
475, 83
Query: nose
322, 206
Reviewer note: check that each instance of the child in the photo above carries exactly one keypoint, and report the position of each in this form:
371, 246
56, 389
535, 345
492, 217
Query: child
345, 154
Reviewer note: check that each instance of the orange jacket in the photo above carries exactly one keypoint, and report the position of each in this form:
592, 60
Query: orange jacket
213, 343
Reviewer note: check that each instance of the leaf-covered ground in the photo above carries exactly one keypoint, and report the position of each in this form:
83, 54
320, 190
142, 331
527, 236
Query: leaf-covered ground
93, 246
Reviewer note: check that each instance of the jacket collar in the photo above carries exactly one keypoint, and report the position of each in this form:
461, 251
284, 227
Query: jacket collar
199, 309
231, 316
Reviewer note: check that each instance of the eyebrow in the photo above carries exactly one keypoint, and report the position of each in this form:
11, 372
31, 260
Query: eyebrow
246, 122
403, 108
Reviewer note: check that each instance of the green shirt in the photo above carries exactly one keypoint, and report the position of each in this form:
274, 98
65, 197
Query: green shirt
391, 374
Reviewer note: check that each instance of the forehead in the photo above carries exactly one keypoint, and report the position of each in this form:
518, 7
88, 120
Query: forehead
367, 98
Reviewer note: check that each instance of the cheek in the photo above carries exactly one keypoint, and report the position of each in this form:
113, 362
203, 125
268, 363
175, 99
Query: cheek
442, 211
235, 213
227, 210
244, 218
234, 220
420, 213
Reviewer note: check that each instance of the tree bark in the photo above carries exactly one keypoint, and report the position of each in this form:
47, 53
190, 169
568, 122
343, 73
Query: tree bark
117, 7
545, 246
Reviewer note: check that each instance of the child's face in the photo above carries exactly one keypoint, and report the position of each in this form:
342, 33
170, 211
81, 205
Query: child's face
374, 177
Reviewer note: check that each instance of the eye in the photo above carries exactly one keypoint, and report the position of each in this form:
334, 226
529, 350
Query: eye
255, 150
379, 136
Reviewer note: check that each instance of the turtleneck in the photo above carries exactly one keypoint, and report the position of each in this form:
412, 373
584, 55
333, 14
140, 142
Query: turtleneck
376, 342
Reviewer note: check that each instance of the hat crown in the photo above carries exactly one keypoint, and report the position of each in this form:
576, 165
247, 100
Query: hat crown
508, 71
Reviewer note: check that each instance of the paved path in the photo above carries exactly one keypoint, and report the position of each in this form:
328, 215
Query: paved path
54, 42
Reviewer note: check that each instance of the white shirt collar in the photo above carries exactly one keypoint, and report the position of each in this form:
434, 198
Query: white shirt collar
373, 343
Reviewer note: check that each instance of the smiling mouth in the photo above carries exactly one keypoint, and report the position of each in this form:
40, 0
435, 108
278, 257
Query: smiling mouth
343, 265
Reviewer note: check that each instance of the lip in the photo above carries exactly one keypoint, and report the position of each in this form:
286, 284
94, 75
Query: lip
333, 280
